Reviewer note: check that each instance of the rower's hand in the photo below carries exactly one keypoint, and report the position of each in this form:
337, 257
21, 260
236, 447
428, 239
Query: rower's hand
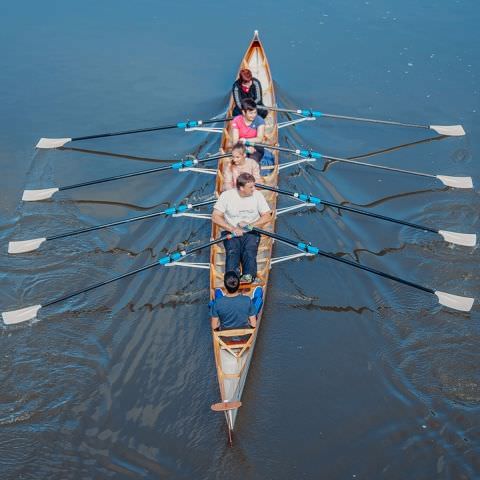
238, 232
243, 225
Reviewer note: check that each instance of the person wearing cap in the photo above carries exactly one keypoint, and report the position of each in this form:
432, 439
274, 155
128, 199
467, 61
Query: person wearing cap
233, 309
239, 163
249, 126
234, 210
247, 86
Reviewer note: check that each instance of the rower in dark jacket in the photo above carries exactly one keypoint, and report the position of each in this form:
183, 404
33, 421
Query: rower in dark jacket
247, 86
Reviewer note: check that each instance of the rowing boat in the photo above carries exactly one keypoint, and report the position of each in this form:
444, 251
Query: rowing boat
233, 357
233, 350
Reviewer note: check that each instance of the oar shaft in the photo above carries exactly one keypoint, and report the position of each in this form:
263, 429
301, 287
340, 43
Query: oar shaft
168, 211
188, 124
376, 215
380, 167
100, 284
116, 177
173, 166
312, 199
318, 156
314, 113
376, 272
372, 120
314, 250
163, 261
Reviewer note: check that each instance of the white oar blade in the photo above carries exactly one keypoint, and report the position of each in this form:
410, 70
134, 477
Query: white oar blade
21, 315
52, 142
35, 195
456, 182
466, 239
464, 304
23, 246
450, 130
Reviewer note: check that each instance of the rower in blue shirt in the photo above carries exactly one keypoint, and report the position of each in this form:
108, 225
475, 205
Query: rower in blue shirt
233, 310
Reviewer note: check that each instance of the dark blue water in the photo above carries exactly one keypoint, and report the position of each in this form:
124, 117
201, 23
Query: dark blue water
354, 376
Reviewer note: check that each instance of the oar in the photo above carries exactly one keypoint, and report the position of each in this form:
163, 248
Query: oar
450, 130
456, 302
22, 246
60, 142
44, 193
456, 182
29, 313
467, 239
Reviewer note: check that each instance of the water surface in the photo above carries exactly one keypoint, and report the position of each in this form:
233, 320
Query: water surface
353, 376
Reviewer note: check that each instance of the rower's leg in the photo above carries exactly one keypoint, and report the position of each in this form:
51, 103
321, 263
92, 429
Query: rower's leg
250, 243
232, 254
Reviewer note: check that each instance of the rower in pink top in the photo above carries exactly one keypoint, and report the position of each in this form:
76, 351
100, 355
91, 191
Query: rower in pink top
239, 164
249, 126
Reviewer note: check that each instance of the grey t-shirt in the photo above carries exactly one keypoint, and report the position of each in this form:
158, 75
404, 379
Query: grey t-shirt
238, 209
233, 312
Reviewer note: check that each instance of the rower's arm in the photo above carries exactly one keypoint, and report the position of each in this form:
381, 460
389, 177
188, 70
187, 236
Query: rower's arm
235, 135
252, 320
260, 135
218, 218
263, 220
215, 322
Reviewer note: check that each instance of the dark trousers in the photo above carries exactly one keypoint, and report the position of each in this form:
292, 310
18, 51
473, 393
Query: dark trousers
242, 249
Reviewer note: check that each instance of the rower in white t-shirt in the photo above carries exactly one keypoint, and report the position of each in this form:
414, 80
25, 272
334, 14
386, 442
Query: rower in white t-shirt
235, 209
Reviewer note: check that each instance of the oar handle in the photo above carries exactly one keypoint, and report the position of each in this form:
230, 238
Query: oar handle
305, 112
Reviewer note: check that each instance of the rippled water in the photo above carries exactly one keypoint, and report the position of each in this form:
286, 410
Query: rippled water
353, 376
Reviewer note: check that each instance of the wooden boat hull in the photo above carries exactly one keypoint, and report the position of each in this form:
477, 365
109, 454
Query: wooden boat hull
233, 360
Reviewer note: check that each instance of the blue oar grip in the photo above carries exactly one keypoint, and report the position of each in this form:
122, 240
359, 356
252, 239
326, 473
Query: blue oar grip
311, 113
183, 164
308, 198
189, 124
307, 248
173, 257
170, 211
310, 154
182, 208
165, 260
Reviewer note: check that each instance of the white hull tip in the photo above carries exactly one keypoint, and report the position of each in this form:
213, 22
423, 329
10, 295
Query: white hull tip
22, 315
52, 142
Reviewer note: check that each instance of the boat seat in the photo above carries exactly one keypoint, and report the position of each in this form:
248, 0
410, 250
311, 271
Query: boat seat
235, 346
